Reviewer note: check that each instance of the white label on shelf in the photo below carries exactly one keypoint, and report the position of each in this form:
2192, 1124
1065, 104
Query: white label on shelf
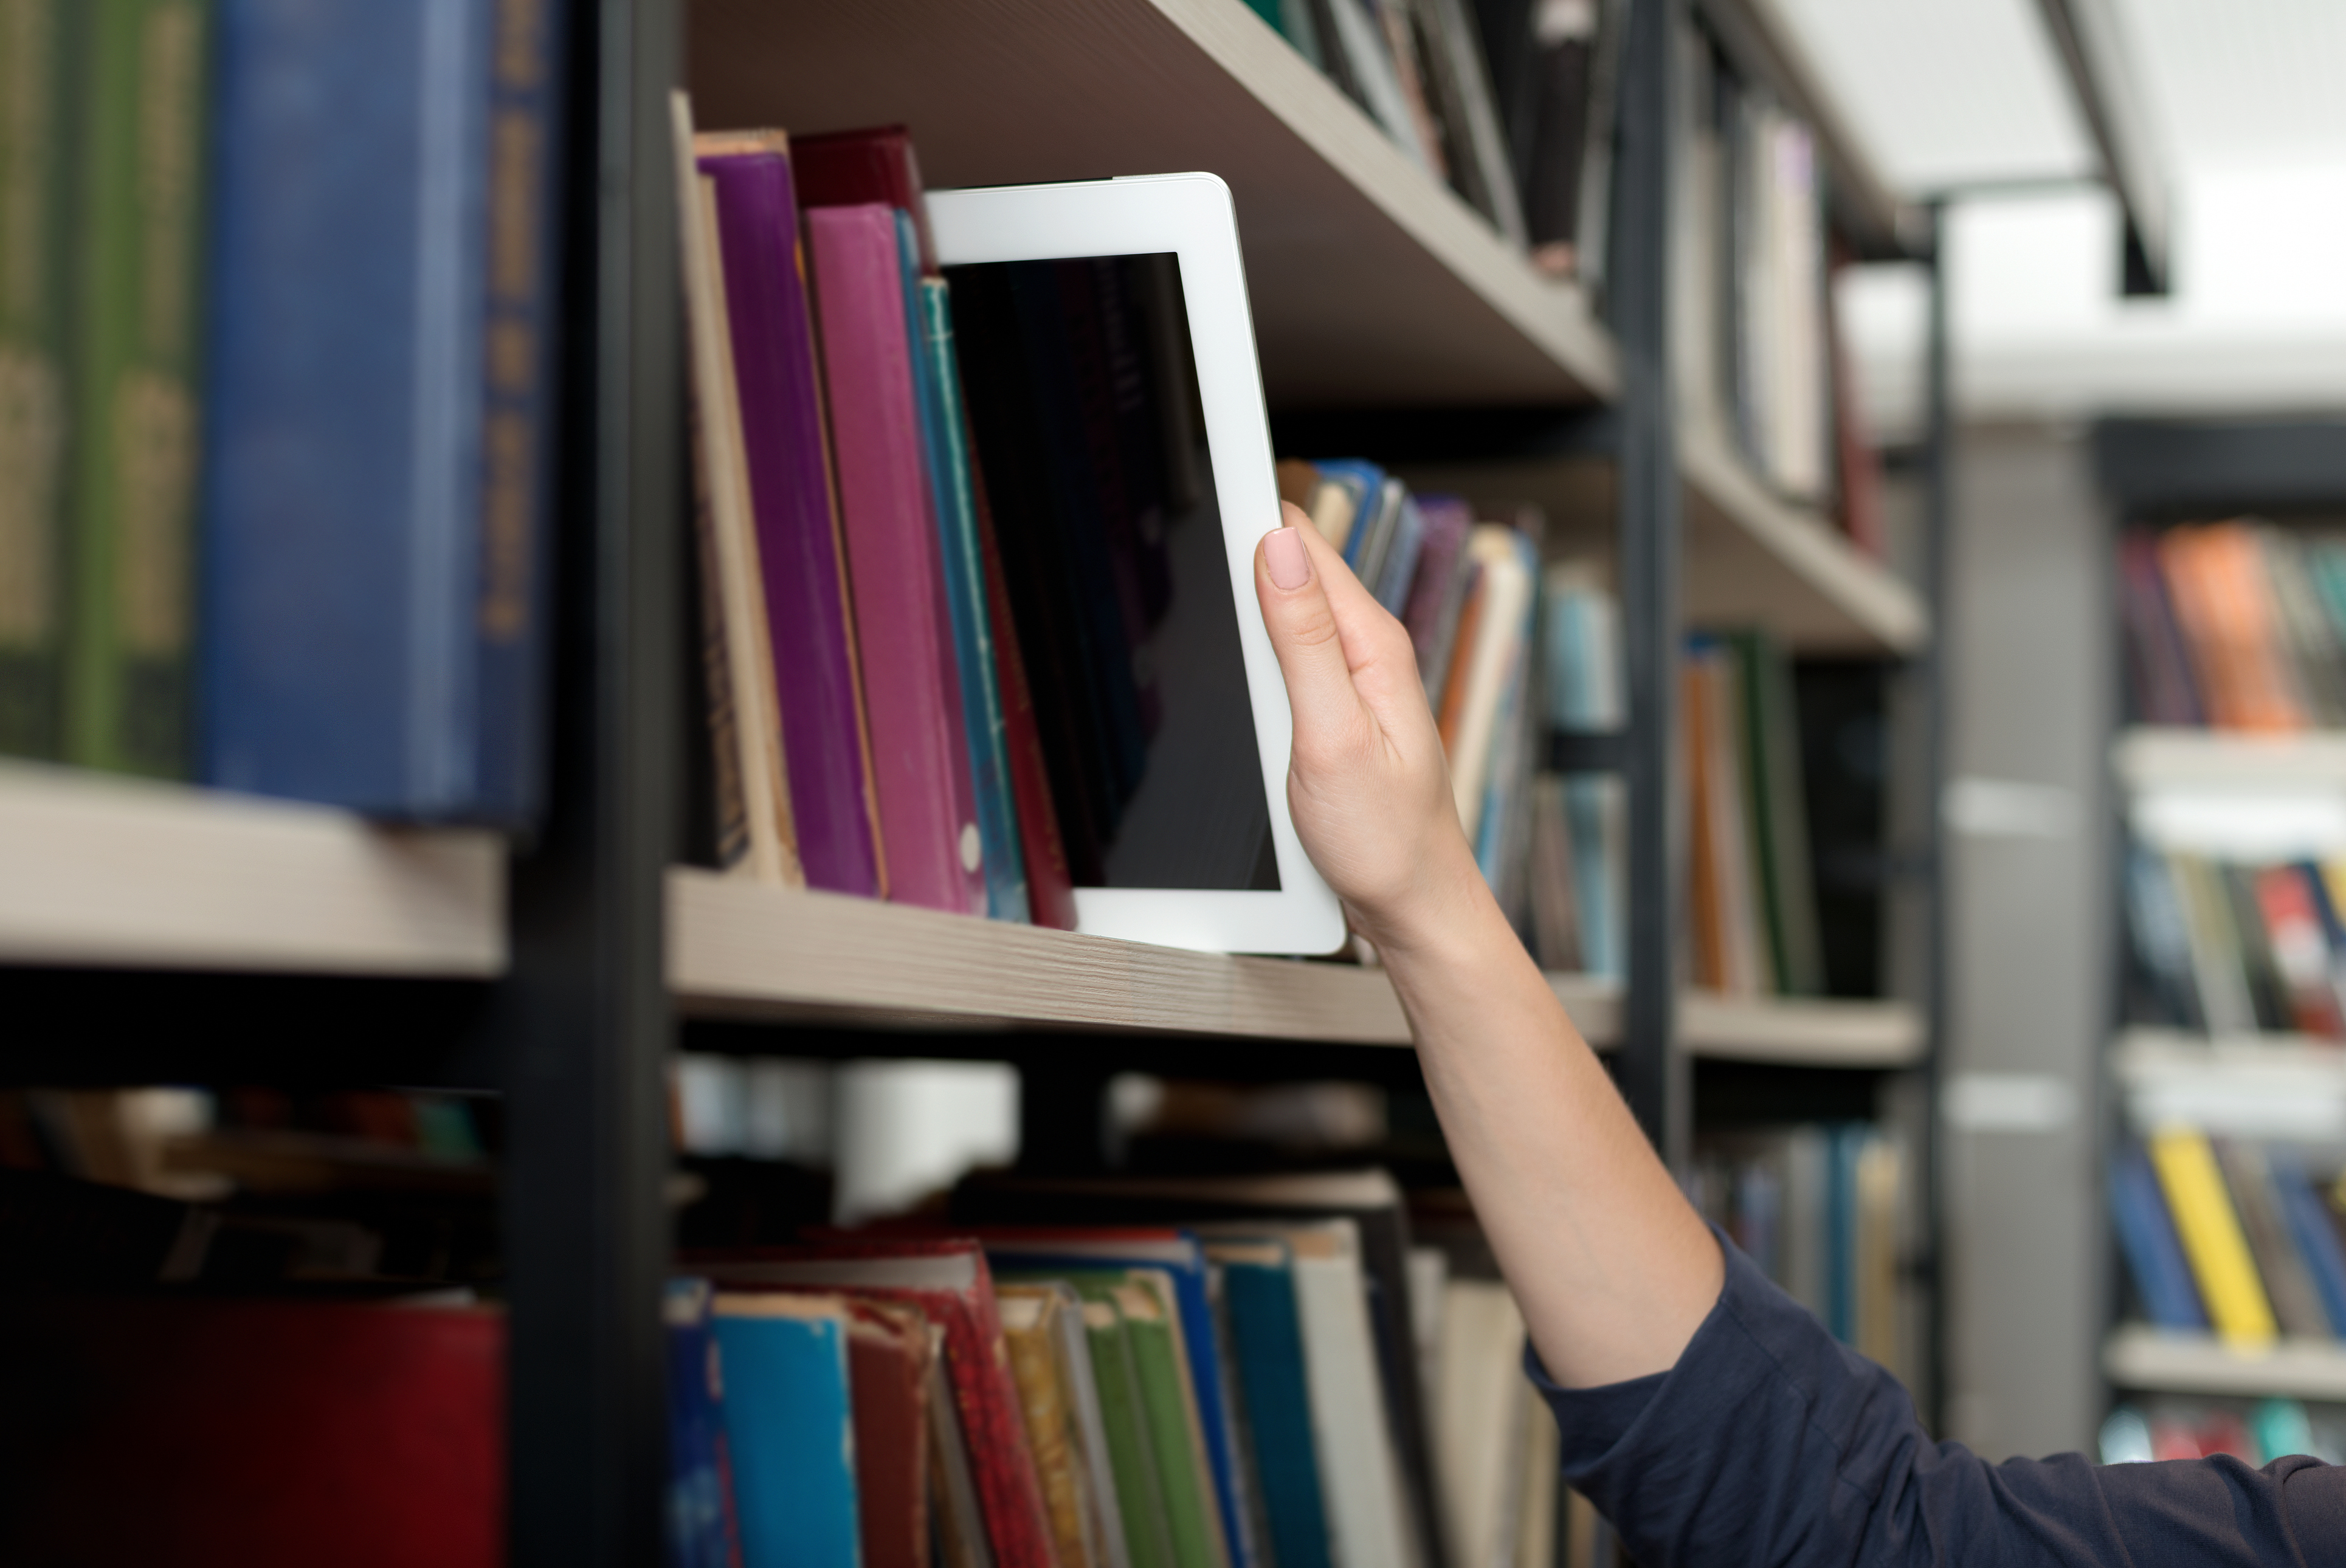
2006, 809
2008, 1103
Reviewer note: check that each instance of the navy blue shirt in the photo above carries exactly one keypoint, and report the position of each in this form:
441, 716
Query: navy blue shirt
1771, 1445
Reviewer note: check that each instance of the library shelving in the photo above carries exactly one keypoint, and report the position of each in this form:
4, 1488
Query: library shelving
151, 934
2207, 788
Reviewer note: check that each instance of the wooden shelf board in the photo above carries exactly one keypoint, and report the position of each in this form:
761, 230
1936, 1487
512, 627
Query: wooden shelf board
2281, 1086
2155, 1360
1371, 282
2150, 756
111, 872
743, 951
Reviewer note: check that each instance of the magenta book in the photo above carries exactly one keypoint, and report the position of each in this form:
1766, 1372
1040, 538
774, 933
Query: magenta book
824, 746
912, 685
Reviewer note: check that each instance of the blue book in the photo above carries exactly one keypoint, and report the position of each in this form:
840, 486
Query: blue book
1183, 1259
2308, 1218
2154, 1254
945, 438
1371, 479
1400, 570
790, 1425
373, 500
700, 1528
1267, 1343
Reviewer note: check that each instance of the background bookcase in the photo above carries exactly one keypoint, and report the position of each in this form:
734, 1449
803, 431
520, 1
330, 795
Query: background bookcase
2153, 473
152, 934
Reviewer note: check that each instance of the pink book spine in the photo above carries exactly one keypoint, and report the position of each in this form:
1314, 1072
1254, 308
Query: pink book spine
928, 809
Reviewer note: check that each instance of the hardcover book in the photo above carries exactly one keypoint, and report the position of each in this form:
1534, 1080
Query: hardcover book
790, 1425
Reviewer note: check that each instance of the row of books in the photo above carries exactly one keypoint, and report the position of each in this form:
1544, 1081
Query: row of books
2230, 1235
1508, 102
2256, 1433
2235, 626
1759, 357
2235, 948
1753, 904
1225, 1392
276, 315
1821, 1207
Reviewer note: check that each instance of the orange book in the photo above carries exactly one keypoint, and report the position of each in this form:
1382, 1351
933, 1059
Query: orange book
1453, 689
1702, 851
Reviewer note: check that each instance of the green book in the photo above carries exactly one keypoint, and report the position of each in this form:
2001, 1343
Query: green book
127, 656
1148, 1535
38, 51
1776, 808
1177, 1435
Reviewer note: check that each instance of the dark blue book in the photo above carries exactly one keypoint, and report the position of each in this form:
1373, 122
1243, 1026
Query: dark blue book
2154, 1254
1267, 1343
2308, 1219
1372, 480
374, 503
700, 1527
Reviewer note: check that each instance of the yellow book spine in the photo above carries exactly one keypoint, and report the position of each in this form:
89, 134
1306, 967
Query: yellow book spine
2212, 1239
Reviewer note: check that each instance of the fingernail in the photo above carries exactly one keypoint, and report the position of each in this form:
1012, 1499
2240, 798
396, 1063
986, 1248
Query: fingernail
1289, 562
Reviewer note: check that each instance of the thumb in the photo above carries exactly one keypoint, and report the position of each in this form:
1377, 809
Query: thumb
1289, 579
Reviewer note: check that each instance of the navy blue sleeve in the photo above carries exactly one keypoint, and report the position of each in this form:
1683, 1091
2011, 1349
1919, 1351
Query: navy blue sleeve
1770, 1443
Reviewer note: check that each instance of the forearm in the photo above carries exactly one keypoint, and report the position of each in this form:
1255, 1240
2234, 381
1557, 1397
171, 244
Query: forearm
1613, 1269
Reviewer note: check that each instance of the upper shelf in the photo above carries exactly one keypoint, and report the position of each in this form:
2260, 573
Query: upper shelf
740, 950
1369, 281
105, 871
2145, 757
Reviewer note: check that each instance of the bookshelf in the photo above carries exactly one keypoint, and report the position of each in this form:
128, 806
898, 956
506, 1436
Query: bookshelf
158, 934
2288, 1089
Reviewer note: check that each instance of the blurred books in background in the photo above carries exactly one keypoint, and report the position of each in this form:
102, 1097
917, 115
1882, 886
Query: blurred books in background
2235, 626
2256, 1432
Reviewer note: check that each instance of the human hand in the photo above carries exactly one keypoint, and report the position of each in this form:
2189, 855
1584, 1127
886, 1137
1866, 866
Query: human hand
1366, 781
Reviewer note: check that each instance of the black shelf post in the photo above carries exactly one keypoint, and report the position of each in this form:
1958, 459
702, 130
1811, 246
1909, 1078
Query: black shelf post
583, 1020
1653, 1072
1938, 519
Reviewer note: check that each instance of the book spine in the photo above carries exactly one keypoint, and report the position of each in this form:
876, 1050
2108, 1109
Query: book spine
2212, 1238
1270, 1344
891, 553
516, 336
801, 556
37, 70
2153, 1251
127, 672
1002, 861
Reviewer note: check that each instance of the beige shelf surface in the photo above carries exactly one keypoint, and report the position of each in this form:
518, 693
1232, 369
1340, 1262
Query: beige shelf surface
1370, 281
2286, 1086
2155, 1360
737, 950
2148, 757
113, 873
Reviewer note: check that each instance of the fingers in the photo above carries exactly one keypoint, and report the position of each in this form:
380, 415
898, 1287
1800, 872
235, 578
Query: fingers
1292, 571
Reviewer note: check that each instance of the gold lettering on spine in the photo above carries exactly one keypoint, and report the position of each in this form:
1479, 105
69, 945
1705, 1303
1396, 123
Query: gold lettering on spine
155, 452
170, 147
513, 349
27, 29
32, 451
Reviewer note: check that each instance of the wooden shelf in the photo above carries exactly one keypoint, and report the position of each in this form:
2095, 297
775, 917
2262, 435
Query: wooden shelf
2148, 756
2282, 1086
110, 872
1371, 282
2155, 1360
742, 952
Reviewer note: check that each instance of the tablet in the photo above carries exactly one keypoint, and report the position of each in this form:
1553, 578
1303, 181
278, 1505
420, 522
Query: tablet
1107, 360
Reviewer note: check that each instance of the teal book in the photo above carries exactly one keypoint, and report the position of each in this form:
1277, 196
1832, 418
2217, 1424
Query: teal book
37, 70
945, 432
790, 1429
1267, 1337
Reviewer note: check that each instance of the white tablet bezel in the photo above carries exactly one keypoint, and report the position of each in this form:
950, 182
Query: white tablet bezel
1191, 216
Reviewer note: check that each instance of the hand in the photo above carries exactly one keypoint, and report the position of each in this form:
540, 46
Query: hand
1366, 782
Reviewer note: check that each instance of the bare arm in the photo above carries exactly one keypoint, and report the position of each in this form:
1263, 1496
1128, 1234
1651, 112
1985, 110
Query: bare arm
1613, 1269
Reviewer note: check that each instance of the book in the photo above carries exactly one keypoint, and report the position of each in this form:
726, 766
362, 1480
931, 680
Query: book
1480, 670
374, 497
1362, 484
877, 163
2212, 1239
789, 1424
1479, 1416
2289, 1283
1132, 1455
1776, 810
257, 1428
912, 689
1267, 1337
2152, 1253
756, 827
827, 745
2286, 898
1555, 152
1397, 574
1168, 1401
141, 101
702, 1531
1475, 151
1438, 590
2315, 1238
958, 1517
1031, 1317
949, 1281
39, 170
888, 1356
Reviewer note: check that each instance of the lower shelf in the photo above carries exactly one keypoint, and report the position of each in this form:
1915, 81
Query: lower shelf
2156, 1361
740, 952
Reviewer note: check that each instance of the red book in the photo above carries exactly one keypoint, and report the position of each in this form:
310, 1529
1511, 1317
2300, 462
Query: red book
949, 1281
847, 169
254, 1433
887, 1378
2300, 949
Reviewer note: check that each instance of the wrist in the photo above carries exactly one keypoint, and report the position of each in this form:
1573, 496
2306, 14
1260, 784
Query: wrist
1447, 907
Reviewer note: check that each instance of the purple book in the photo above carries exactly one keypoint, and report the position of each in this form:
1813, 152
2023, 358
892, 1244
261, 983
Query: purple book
824, 745
919, 751
1437, 586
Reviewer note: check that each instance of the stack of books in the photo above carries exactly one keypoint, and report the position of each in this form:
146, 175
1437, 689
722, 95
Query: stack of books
2231, 1236
1819, 1208
2235, 948
2235, 626
275, 321
1146, 1373
1753, 904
